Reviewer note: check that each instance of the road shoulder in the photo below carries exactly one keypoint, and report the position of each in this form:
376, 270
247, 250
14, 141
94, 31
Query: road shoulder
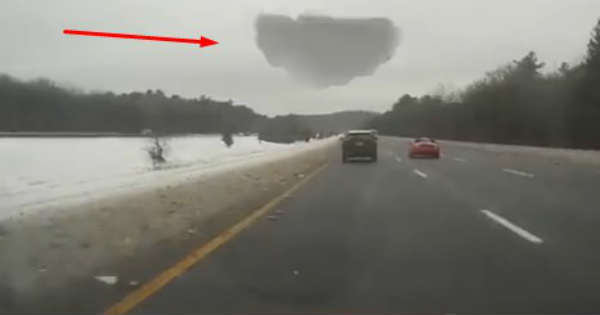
53, 261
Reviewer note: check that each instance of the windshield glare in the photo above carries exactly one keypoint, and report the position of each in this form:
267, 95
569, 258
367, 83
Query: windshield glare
300, 157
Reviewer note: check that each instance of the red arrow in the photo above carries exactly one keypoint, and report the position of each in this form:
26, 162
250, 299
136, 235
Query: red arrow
203, 41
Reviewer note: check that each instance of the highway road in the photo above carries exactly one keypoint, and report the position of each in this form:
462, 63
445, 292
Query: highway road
473, 232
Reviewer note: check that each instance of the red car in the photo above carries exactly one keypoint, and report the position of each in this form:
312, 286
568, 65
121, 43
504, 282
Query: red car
424, 147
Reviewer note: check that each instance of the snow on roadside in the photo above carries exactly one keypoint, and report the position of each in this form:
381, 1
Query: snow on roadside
38, 173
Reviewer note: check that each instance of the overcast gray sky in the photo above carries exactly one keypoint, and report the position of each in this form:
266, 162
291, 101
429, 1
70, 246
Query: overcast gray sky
448, 42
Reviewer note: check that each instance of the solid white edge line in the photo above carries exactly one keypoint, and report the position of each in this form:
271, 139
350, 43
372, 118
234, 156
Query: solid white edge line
518, 230
517, 172
416, 171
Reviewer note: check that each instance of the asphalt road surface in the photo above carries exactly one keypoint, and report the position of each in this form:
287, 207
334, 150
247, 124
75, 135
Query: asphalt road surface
473, 232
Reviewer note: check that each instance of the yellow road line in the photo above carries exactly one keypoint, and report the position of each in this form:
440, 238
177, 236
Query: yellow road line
154, 285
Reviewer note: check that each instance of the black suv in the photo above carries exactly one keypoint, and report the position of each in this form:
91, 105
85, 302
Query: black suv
359, 143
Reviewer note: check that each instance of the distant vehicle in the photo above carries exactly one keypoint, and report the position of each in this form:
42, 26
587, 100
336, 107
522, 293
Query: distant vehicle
424, 147
359, 143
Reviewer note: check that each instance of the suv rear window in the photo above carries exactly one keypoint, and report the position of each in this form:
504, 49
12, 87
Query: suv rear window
362, 136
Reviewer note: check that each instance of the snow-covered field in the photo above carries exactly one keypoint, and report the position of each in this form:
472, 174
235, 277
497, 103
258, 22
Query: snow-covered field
36, 173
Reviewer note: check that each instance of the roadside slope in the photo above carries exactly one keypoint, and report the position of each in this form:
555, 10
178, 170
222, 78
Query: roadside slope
52, 255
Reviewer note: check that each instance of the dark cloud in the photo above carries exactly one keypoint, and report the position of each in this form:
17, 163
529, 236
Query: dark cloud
324, 51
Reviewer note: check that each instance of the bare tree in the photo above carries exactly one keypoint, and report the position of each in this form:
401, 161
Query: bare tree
227, 138
157, 150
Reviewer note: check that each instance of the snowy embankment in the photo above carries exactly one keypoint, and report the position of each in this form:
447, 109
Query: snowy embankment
99, 205
38, 173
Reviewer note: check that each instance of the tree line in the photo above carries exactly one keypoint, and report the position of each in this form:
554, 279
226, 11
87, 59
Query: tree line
515, 104
41, 105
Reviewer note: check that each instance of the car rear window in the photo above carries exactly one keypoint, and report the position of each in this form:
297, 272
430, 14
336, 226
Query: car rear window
424, 140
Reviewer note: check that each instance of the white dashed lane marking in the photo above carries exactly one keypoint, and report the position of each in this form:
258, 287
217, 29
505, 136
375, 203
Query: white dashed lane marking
457, 159
514, 228
416, 171
517, 172
110, 280
398, 159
